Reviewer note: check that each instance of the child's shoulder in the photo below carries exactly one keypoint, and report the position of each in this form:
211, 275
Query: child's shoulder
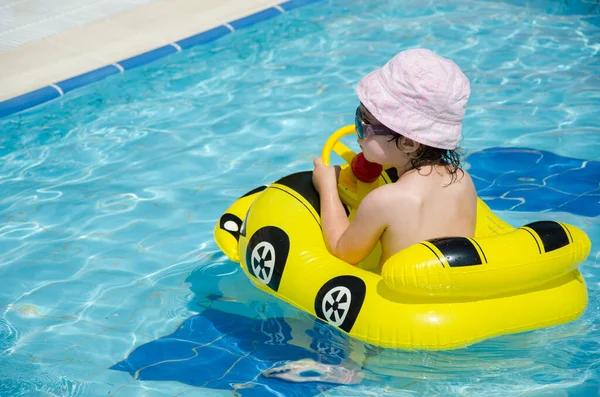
435, 174
402, 190
435, 181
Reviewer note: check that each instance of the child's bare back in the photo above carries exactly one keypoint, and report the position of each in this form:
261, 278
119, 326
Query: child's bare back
432, 206
409, 118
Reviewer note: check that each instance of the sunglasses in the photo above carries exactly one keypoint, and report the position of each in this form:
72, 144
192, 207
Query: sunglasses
365, 129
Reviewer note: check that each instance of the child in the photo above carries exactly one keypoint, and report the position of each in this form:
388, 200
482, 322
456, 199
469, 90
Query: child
409, 118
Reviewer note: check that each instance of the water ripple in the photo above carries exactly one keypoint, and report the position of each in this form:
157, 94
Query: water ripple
110, 194
25, 379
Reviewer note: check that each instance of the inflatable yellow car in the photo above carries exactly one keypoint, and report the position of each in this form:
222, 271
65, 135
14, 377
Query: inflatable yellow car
439, 294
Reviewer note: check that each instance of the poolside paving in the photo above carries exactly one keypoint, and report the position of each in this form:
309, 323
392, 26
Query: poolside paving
46, 41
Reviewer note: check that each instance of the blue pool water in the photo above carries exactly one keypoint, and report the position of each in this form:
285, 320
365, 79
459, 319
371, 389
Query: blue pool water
112, 284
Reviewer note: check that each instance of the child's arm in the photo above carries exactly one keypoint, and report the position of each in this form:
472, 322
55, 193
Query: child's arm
351, 242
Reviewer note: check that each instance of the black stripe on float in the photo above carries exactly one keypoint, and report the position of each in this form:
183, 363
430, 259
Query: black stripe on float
479, 246
301, 183
434, 253
255, 190
568, 231
534, 239
300, 201
551, 233
459, 251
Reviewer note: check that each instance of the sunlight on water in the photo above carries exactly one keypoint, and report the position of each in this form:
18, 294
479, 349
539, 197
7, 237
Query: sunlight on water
110, 196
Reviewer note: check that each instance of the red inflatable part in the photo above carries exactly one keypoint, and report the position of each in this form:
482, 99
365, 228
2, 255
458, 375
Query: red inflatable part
364, 170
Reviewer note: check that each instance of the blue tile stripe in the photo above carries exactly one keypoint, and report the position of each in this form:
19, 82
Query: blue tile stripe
290, 5
255, 18
87, 78
147, 57
204, 37
44, 94
26, 101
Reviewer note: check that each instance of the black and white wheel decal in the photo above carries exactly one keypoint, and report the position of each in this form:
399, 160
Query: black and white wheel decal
263, 261
266, 255
339, 301
336, 304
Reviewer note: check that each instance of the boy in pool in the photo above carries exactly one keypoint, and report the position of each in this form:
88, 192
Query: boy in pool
410, 118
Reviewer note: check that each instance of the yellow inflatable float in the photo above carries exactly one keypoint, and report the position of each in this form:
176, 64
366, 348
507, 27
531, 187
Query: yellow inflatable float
439, 294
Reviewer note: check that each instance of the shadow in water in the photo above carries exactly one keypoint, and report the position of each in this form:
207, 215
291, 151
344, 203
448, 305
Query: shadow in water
242, 341
221, 350
250, 342
517, 178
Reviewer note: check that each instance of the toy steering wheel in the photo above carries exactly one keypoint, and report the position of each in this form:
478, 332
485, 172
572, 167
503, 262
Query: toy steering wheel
360, 167
357, 180
333, 144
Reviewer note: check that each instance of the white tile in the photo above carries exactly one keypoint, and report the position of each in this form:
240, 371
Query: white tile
27, 15
17, 38
62, 6
44, 41
14, 18
138, 2
38, 64
108, 41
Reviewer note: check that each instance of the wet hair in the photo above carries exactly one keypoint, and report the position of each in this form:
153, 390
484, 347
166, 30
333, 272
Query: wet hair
428, 155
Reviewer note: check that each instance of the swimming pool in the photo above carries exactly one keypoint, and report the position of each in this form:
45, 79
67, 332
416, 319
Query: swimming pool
110, 195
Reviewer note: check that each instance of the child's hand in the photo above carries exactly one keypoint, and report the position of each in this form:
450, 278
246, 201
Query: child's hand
324, 177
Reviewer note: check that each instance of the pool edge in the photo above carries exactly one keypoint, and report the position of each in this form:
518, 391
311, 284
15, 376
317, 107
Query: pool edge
58, 89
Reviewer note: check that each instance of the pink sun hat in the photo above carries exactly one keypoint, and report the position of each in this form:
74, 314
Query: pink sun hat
419, 95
